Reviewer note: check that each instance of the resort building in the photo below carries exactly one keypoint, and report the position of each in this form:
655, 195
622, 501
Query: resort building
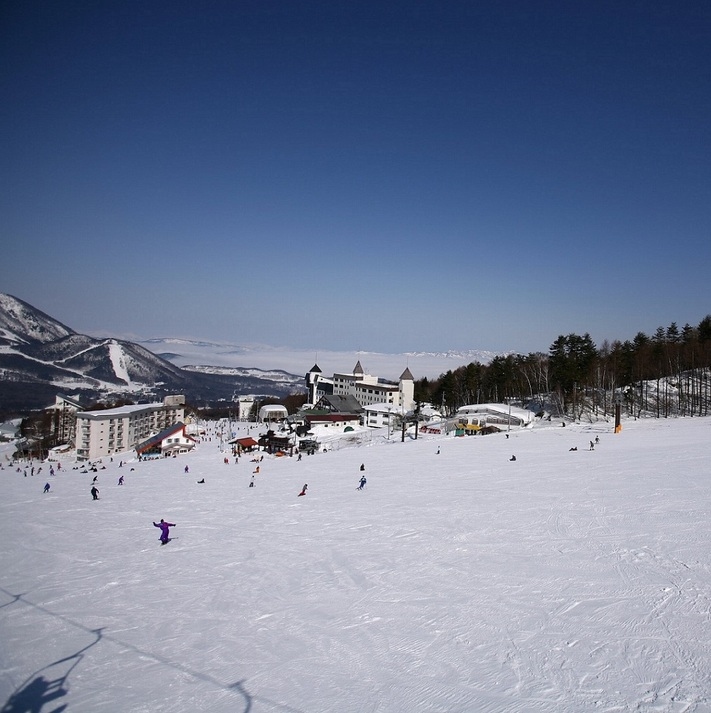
365, 388
116, 430
171, 441
481, 415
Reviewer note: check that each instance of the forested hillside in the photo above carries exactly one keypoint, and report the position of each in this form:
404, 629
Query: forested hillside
668, 373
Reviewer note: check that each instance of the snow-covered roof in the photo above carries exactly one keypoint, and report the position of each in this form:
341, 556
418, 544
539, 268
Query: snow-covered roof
121, 410
384, 408
520, 414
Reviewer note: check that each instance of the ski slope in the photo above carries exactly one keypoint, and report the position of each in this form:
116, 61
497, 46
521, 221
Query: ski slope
566, 581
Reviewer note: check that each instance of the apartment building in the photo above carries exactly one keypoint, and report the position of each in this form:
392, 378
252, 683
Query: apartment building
117, 430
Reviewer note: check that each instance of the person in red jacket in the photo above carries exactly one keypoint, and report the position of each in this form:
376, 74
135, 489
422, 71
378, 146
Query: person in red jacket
164, 529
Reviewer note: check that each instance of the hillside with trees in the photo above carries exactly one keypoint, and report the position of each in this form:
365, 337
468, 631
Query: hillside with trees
665, 374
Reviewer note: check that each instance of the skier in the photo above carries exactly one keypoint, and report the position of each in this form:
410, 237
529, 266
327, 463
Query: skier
120, 481
362, 482
303, 490
46, 487
187, 470
251, 482
164, 529
94, 492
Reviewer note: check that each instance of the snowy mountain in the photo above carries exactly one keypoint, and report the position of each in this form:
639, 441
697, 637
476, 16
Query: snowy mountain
40, 357
20, 323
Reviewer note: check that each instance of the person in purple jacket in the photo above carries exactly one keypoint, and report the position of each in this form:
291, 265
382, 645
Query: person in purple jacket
164, 529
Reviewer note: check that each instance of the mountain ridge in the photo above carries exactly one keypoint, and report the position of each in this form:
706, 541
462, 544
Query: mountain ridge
40, 357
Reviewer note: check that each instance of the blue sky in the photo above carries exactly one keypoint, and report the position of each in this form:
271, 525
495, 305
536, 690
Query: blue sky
386, 176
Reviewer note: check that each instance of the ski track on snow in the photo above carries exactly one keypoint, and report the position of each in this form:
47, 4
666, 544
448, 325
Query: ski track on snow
561, 582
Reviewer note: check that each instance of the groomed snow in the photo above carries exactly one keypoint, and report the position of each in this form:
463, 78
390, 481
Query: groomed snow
564, 581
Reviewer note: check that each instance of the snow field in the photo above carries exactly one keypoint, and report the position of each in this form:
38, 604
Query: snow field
563, 581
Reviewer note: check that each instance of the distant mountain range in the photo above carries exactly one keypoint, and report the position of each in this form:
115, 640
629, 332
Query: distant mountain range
41, 357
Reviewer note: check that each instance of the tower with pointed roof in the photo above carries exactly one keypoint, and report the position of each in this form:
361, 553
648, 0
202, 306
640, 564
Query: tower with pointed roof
312, 378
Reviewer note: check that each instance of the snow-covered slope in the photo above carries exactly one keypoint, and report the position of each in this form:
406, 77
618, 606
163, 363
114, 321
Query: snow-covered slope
563, 582
39, 357
21, 323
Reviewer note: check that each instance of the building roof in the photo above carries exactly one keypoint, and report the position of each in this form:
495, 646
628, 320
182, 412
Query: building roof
515, 413
68, 400
407, 375
358, 369
273, 408
314, 369
385, 408
380, 386
331, 417
160, 437
121, 410
244, 442
340, 404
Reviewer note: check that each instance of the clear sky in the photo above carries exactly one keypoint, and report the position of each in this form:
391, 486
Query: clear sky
388, 176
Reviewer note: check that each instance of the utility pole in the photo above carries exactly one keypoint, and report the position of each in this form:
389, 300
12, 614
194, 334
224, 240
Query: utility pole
618, 408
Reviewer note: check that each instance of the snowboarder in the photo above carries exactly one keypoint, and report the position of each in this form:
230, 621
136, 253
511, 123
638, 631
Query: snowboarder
200, 482
46, 487
303, 490
362, 466
164, 529
362, 482
512, 458
94, 492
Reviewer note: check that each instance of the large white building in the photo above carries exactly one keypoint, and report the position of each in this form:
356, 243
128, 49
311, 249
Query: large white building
116, 430
365, 388
494, 415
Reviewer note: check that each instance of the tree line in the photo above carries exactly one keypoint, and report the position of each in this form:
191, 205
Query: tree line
664, 374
